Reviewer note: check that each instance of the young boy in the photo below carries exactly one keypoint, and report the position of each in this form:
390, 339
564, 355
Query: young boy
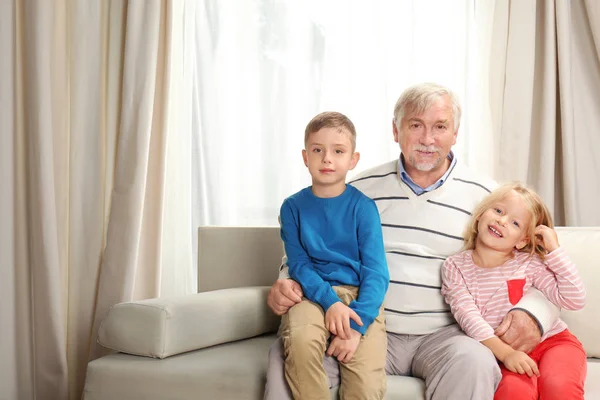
334, 245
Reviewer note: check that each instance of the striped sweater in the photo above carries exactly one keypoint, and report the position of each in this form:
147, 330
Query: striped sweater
481, 297
419, 233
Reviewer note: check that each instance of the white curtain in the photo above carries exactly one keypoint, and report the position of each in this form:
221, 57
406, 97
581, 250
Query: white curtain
544, 95
265, 68
94, 152
526, 72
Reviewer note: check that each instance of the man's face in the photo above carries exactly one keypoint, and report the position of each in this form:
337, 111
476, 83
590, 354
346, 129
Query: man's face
426, 139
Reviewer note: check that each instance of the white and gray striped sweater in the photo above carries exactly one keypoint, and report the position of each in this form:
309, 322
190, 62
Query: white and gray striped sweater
418, 237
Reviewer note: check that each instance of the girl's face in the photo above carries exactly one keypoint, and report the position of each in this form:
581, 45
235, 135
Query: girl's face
504, 226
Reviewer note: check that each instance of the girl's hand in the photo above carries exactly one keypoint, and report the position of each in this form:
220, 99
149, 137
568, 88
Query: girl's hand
547, 238
521, 363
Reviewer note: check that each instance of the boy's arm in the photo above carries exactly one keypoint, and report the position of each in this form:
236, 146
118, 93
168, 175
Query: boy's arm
374, 274
558, 279
299, 264
462, 303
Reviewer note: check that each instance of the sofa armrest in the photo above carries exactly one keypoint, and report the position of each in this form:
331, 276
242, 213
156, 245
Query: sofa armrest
164, 327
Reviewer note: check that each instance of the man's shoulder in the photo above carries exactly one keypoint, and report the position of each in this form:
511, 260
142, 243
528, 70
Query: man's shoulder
379, 171
374, 180
468, 177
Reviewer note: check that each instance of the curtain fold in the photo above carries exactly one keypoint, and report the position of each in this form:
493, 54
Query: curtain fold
88, 141
544, 100
130, 268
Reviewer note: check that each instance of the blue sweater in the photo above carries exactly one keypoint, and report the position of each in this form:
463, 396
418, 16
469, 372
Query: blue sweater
336, 241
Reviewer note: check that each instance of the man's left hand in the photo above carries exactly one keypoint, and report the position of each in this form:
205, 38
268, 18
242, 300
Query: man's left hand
519, 331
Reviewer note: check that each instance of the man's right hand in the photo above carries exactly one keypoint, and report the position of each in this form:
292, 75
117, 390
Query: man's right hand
283, 295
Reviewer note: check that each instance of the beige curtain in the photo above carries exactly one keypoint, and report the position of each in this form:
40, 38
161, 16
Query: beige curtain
92, 156
545, 101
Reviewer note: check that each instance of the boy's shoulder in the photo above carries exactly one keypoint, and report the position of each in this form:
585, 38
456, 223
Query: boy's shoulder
359, 197
298, 195
295, 200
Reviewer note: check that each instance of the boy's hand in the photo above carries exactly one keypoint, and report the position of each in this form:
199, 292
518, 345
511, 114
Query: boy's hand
546, 237
344, 350
337, 320
521, 363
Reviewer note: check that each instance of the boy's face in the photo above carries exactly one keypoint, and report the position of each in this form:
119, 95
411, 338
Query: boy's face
329, 155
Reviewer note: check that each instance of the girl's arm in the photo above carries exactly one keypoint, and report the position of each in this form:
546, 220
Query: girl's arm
462, 304
466, 312
558, 279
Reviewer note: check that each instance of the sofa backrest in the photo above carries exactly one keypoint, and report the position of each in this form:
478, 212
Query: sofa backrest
237, 256
250, 256
583, 246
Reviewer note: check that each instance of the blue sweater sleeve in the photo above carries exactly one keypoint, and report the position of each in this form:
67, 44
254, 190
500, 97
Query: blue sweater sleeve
374, 274
299, 263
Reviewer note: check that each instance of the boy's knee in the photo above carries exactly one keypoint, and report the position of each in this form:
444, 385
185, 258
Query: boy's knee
372, 387
305, 341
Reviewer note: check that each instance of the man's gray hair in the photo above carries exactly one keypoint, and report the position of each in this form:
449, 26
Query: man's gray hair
418, 98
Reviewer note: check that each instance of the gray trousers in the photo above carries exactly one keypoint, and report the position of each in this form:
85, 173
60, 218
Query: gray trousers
453, 366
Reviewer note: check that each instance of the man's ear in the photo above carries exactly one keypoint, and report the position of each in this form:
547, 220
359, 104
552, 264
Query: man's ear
455, 135
396, 133
305, 157
354, 160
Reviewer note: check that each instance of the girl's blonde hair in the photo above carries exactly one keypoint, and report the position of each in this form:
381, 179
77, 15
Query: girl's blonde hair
537, 209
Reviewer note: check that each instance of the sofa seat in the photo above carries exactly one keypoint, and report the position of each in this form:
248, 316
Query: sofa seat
229, 371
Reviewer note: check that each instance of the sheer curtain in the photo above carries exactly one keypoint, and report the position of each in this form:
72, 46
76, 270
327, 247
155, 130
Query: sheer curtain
94, 153
265, 68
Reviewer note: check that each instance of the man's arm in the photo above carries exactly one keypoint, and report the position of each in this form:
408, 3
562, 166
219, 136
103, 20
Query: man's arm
522, 328
284, 294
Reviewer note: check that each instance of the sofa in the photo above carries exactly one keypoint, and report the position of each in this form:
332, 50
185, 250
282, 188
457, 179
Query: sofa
214, 344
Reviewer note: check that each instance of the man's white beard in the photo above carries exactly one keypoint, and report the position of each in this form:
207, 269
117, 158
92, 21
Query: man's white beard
425, 167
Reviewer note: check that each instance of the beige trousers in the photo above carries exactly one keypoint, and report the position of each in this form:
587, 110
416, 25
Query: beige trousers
305, 340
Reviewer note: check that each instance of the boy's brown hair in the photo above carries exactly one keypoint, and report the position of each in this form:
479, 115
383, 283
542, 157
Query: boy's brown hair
331, 119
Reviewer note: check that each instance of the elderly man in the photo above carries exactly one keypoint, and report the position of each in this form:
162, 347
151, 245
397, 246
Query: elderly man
424, 199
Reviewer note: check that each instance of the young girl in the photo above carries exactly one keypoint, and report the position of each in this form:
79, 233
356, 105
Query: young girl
510, 245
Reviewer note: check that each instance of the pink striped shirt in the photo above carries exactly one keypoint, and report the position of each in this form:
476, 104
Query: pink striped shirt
480, 297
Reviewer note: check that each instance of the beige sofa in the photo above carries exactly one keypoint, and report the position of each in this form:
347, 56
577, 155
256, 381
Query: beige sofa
214, 344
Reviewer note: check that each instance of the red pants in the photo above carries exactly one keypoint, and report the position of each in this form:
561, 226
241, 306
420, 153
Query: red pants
563, 366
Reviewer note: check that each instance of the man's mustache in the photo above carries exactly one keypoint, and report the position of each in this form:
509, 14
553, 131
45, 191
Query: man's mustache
428, 149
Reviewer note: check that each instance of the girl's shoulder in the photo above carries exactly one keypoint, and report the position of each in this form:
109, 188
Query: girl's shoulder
461, 257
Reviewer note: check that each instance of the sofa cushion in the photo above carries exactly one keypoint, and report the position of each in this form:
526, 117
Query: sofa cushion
582, 244
163, 327
230, 371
